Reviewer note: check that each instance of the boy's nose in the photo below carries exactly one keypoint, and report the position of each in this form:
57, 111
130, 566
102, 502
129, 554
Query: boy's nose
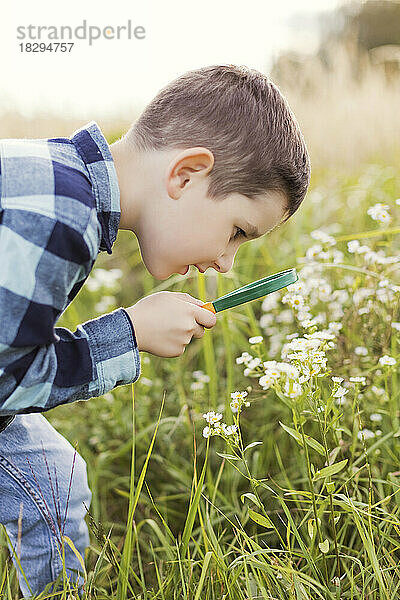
224, 264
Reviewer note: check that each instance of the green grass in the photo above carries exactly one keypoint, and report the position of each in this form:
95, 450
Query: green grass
313, 510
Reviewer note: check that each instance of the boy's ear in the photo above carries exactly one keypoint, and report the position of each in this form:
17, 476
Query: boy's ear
184, 164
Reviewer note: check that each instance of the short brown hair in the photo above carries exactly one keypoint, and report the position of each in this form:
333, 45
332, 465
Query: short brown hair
240, 115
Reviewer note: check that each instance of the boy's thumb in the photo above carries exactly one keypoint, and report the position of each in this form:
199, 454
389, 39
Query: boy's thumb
193, 300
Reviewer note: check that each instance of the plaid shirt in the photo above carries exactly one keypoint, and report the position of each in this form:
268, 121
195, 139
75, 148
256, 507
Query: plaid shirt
59, 206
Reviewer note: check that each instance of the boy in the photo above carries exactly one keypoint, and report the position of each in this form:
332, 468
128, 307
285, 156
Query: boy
215, 159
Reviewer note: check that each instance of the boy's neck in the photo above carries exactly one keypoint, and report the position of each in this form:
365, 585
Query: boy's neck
130, 177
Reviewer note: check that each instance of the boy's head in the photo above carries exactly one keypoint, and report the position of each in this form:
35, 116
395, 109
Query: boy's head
217, 149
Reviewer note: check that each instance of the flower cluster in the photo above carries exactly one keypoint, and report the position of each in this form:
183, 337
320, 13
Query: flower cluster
103, 278
370, 256
216, 427
201, 378
379, 212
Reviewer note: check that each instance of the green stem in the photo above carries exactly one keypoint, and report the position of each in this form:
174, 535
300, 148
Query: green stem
313, 496
252, 482
332, 515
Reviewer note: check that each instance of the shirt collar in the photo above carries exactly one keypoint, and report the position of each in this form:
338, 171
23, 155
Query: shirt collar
95, 152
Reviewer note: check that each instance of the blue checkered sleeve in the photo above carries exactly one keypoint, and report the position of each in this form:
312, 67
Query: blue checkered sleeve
49, 240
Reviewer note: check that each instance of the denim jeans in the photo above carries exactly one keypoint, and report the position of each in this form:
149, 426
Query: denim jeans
42, 492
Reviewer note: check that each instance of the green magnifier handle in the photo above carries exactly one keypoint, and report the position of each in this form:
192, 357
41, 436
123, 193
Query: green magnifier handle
252, 291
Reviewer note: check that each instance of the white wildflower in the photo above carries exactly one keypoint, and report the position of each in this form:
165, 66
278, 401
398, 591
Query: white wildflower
375, 417
300, 356
266, 319
285, 316
229, 429
335, 327
256, 339
103, 277
378, 391
201, 376
245, 357
361, 351
313, 252
298, 287
358, 380
267, 380
206, 432
195, 385
240, 395
387, 360
323, 237
296, 301
307, 323
303, 344
337, 256
353, 246
270, 302
104, 304
320, 335
340, 392
379, 212
290, 370
252, 364
292, 389
235, 405
212, 417
268, 364
292, 336
365, 434
198, 374
325, 291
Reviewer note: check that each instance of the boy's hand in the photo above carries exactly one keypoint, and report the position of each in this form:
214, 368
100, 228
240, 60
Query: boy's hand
165, 322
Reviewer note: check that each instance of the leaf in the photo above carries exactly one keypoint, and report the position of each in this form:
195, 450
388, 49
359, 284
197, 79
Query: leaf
293, 433
315, 445
260, 519
331, 470
324, 546
229, 456
251, 497
193, 510
75, 551
309, 440
310, 526
200, 585
251, 445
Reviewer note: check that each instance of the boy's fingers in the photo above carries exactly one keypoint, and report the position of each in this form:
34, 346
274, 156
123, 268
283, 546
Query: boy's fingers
206, 318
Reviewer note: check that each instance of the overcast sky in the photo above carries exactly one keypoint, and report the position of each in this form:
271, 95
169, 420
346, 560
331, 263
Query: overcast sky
113, 76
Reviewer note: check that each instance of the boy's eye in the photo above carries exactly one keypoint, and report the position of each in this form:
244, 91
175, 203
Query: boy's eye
239, 232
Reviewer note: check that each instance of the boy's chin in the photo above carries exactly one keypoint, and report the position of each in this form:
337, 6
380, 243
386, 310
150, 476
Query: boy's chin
159, 276
162, 276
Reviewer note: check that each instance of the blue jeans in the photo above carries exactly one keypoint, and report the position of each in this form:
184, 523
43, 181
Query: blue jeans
43, 498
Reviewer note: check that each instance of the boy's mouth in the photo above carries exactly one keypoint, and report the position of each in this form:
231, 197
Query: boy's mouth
187, 269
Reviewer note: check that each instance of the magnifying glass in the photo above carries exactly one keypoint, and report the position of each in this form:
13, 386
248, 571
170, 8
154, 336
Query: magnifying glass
252, 291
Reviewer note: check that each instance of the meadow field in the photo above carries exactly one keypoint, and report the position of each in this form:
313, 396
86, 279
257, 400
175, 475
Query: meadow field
265, 461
